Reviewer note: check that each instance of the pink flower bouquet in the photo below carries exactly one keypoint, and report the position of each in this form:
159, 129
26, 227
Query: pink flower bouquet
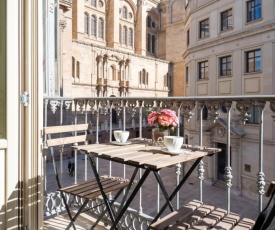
165, 119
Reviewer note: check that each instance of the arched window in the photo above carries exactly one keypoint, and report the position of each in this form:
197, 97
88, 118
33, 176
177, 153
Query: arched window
130, 38
165, 82
149, 21
153, 43
78, 69
73, 67
93, 25
100, 28
86, 23
124, 12
149, 42
120, 32
93, 3
124, 35
113, 73
144, 76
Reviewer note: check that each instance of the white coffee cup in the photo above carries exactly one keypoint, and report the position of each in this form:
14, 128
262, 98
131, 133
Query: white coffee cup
173, 143
121, 136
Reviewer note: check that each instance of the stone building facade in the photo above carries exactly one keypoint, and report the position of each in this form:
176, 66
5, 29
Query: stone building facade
228, 50
110, 48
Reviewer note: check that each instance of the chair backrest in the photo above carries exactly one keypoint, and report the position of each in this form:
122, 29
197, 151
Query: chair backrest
63, 135
265, 218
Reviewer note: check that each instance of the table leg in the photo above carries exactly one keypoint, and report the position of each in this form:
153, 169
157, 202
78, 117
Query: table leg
128, 189
131, 197
164, 191
174, 193
105, 198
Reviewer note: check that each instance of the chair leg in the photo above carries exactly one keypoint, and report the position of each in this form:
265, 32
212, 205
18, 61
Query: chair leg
105, 210
68, 210
77, 214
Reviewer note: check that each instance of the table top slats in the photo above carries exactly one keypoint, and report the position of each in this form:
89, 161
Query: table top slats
175, 159
143, 154
140, 160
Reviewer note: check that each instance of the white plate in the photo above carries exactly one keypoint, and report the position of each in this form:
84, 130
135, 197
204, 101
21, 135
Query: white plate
181, 151
118, 143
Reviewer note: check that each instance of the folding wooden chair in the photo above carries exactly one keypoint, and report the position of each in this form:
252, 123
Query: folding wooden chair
87, 190
196, 215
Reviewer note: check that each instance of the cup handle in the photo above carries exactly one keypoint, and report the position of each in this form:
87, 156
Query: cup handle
159, 140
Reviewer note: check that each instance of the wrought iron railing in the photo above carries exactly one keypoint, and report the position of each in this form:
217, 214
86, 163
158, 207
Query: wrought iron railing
195, 113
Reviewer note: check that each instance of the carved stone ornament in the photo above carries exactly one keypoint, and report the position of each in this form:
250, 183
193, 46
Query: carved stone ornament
62, 25
221, 131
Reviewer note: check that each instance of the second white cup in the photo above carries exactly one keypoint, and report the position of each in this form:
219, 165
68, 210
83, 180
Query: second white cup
121, 136
173, 143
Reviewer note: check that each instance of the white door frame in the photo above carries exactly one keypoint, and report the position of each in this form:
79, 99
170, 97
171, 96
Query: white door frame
23, 158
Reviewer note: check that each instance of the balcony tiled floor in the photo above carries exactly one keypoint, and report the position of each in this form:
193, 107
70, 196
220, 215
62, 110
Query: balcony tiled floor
211, 194
83, 222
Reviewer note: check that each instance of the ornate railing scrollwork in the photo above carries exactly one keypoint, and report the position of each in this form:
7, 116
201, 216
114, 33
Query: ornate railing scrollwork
187, 108
213, 107
243, 107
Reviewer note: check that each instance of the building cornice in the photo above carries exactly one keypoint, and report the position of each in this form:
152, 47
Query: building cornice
119, 51
265, 27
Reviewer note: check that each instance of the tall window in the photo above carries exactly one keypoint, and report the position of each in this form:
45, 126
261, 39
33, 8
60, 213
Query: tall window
165, 83
73, 67
225, 66
204, 28
226, 20
78, 69
86, 23
254, 10
149, 21
100, 28
186, 74
130, 37
153, 43
203, 70
254, 115
148, 42
253, 61
93, 3
188, 37
124, 12
93, 25
113, 73
124, 35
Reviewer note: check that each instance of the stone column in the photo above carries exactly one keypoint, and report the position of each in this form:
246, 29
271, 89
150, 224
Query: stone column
140, 33
112, 34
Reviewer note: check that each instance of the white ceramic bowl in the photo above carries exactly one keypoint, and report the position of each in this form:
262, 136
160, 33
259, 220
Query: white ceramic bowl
121, 136
173, 143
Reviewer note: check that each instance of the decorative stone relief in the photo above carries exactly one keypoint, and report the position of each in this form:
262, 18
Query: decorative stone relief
221, 131
62, 25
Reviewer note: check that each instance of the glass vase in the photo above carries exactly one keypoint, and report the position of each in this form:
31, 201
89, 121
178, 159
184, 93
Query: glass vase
158, 136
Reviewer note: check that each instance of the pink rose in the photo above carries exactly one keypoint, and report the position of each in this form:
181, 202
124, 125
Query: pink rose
171, 116
165, 120
152, 118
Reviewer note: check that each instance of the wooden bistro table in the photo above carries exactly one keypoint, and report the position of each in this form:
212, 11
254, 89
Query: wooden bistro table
140, 154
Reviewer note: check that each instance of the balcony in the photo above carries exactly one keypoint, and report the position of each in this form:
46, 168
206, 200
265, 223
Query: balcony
241, 126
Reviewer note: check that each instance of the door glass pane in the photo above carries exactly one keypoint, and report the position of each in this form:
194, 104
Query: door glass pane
3, 70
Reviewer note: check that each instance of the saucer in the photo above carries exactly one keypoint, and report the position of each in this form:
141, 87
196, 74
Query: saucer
119, 143
180, 151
